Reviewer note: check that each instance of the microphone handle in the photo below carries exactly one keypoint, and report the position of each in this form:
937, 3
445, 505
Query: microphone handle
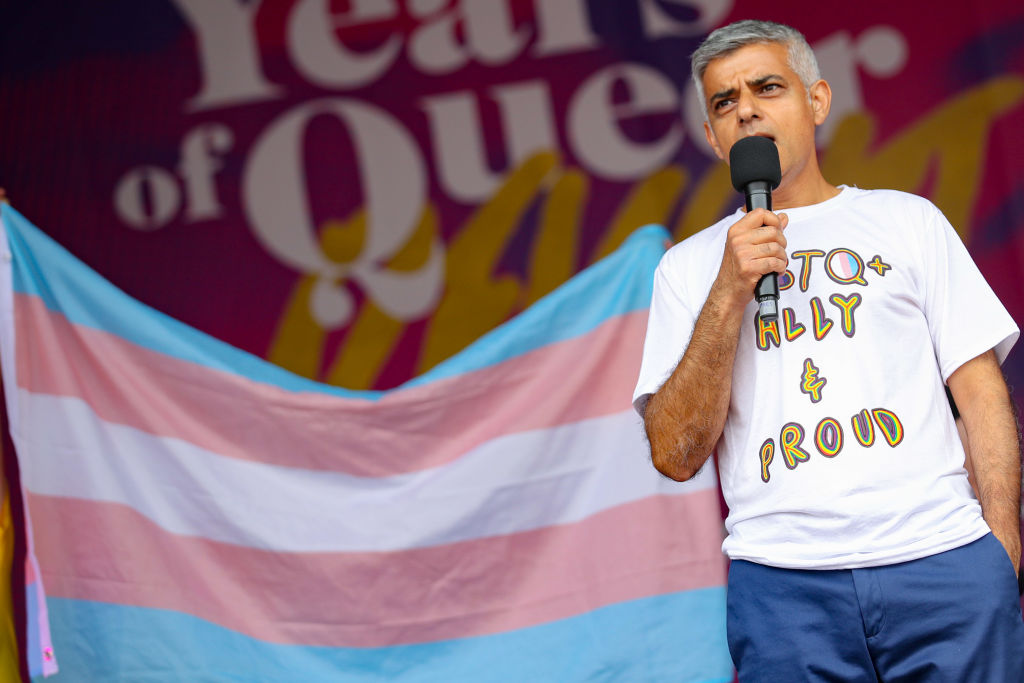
758, 195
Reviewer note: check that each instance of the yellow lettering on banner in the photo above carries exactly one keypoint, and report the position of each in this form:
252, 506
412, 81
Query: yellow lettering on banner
366, 349
476, 299
372, 338
8, 632
708, 203
649, 202
342, 241
415, 253
553, 256
952, 137
298, 345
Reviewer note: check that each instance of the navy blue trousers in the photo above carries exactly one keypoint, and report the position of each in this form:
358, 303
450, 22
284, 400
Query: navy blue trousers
954, 616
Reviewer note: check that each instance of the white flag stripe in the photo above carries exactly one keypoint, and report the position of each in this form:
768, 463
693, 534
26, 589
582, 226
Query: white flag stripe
513, 483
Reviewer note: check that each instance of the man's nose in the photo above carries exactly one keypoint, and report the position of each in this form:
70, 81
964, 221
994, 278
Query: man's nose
747, 106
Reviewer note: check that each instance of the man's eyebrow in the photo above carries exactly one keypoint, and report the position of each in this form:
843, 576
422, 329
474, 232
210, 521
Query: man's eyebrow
764, 79
722, 94
755, 83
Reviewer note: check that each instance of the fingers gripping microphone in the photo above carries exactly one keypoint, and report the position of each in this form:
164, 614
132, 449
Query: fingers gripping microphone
755, 169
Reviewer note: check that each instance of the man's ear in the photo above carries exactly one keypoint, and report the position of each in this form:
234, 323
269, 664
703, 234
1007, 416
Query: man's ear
821, 101
713, 141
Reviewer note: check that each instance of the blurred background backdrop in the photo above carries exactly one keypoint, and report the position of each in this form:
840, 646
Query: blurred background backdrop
356, 189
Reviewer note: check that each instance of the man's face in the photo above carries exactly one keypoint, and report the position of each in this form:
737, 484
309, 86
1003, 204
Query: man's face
753, 91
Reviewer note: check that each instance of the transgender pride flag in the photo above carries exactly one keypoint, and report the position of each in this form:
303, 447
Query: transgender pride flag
200, 514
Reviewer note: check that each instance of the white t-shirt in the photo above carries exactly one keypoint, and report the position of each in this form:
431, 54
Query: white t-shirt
839, 448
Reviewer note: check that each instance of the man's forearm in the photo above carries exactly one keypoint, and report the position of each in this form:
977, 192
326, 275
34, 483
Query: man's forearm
684, 419
991, 426
996, 458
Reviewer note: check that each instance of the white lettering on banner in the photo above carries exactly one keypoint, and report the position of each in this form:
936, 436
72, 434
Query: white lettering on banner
881, 51
457, 136
487, 26
563, 27
594, 131
232, 75
229, 59
394, 186
593, 127
230, 62
438, 37
154, 183
693, 117
323, 59
198, 166
659, 24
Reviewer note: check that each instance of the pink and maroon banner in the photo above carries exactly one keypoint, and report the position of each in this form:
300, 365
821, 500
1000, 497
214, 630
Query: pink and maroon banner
355, 190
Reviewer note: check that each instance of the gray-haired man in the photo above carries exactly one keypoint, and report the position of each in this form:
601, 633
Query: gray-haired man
859, 550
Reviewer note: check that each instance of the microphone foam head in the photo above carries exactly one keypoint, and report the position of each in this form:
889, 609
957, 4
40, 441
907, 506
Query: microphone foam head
752, 159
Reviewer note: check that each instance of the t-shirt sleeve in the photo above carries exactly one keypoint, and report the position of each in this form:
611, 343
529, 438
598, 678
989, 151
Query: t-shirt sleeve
669, 327
965, 318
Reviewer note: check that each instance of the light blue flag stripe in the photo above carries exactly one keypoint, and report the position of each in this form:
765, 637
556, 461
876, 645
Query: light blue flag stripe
677, 637
618, 284
33, 649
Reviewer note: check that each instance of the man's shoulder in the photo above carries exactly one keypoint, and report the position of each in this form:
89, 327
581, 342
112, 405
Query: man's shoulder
884, 199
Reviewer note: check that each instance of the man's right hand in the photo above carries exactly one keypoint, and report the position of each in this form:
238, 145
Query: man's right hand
755, 247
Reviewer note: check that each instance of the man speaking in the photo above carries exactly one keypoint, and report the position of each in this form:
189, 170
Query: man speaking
859, 550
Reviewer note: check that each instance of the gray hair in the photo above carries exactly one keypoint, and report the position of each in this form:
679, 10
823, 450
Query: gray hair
728, 39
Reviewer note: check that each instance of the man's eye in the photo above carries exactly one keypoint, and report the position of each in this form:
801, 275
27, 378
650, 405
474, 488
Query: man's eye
769, 87
722, 103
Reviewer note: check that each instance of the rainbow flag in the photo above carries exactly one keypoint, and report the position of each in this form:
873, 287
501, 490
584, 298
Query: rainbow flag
200, 514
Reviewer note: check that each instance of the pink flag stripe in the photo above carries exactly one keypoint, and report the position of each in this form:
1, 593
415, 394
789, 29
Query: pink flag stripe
464, 589
568, 473
405, 431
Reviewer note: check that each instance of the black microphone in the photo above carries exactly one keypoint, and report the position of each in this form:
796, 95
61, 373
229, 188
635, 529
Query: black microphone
755, 169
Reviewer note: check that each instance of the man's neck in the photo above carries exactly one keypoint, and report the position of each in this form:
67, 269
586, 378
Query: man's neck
810, 188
